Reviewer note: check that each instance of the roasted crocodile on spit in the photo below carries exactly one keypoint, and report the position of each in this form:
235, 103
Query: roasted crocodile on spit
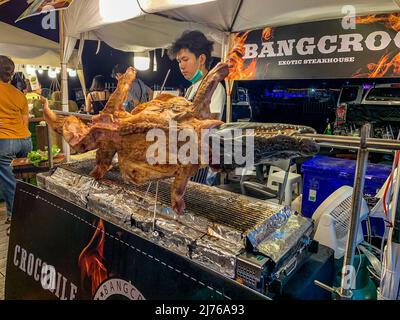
116, 131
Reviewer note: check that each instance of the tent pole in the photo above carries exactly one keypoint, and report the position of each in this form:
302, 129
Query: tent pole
64, 82
226, 45
80, 73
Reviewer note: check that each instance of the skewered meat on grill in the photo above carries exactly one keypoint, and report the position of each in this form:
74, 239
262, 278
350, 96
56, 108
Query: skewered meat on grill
116, 131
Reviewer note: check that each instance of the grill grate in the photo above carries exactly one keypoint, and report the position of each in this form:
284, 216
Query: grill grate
218, 206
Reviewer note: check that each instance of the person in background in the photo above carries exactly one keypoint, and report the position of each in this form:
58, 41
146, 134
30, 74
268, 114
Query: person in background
98, 96
15, 138
193, 53
18, 81
139, 92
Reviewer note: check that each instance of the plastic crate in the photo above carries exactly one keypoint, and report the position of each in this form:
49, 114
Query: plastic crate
323, 175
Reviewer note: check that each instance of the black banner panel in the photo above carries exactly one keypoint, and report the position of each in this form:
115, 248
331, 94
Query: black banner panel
358, 47
58, 250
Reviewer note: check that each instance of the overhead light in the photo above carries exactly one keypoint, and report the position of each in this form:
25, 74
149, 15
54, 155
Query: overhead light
155, 61
141, 61
57, 70
30, 70
119, 10
40, 71
52, 73
72, 73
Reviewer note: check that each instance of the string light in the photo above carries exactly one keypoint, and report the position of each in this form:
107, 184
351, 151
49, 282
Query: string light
30, 70
141, 61
72, 73
52, 73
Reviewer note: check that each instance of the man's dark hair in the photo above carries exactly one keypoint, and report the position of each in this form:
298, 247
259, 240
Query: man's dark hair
196, 42
118, 68
7, 68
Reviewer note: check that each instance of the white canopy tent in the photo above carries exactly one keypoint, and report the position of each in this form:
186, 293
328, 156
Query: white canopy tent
27, 48
139, 25
129, 27
144, 25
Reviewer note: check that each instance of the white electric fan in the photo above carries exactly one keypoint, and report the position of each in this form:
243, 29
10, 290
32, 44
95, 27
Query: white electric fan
332, 220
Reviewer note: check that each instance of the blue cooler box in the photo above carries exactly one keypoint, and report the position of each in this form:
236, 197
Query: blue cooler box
323, 175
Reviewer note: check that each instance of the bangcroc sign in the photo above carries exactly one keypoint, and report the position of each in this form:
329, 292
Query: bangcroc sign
322, 49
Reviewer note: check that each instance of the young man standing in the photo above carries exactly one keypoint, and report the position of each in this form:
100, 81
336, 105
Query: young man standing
193, 53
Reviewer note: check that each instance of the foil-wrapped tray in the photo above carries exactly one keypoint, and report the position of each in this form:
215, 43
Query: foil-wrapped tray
213, 230
278, 244
217, 254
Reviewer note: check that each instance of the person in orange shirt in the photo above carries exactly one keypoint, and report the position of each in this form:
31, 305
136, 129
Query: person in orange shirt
15, 138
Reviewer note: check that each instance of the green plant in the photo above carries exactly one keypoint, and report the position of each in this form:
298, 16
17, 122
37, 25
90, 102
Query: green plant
37, 156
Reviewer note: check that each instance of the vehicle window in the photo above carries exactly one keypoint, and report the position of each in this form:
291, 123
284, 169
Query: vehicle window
383, 94
348, 94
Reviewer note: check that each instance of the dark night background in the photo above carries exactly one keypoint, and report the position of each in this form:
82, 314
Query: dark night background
270, 100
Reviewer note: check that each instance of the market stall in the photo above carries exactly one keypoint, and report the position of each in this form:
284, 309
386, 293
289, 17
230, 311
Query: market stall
213, 253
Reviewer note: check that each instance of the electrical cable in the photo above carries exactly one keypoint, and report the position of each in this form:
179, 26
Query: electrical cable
396, 160
359, 264
371, 271
382, 245
368, 224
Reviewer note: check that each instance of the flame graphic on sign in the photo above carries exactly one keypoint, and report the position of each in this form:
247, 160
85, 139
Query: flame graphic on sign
267, 33
91, 260
387, 63
237, 69
392, 20
370, 19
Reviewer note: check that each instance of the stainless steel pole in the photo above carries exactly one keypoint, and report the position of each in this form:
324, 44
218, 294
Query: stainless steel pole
82, 116
49, 153
348, 271
354, 141
338, 146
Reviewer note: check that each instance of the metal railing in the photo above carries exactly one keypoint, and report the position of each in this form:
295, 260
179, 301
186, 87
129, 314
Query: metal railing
364, 144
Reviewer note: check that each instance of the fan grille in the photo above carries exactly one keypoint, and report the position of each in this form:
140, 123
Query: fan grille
341, 214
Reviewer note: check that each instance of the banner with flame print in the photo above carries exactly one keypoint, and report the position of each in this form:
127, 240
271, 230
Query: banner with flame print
59, 250
322, 49
91, 260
